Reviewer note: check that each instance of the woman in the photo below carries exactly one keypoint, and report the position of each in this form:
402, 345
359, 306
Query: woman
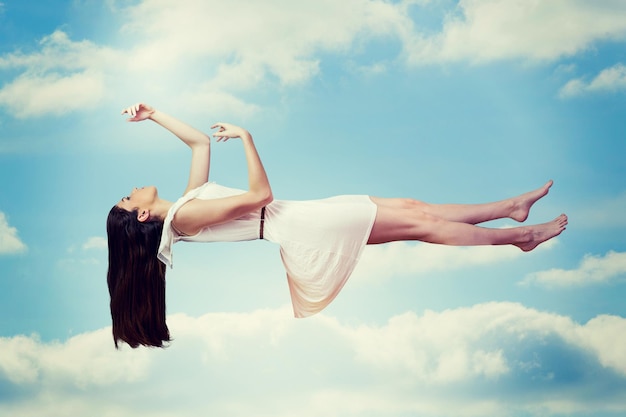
320, 241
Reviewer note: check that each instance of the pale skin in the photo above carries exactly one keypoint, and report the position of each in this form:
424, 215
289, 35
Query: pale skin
396, 218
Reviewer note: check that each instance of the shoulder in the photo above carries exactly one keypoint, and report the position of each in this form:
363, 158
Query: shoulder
172, 219
185, 219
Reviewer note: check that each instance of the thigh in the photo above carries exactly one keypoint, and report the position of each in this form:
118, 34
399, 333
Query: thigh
395, 222
399, 203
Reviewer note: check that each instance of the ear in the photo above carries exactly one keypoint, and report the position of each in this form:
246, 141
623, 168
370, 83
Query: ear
143, 215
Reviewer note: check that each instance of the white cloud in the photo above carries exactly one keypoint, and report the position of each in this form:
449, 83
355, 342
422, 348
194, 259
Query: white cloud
220, 50
608, 80
599, 335
483, 357
52, 94
592, 270
85, 258
488, 30
215, 52
9, 241
277, 36
82, 259
28, 361
95, 242
58, 52
61, 77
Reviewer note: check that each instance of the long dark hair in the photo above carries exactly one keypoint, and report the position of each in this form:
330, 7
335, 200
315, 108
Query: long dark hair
136, 280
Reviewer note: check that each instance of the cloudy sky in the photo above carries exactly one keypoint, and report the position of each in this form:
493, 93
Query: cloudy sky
445, 101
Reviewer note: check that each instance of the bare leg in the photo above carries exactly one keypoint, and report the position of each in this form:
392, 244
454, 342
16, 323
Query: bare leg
394, 224
515, 208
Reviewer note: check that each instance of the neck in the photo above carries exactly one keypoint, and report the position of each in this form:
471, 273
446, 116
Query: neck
160, 209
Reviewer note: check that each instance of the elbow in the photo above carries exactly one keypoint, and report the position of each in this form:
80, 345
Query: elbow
202, 144
268, 197
204, 139
260, 198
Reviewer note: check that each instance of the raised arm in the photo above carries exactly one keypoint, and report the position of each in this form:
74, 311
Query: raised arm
197, 214
258, 184
199, 142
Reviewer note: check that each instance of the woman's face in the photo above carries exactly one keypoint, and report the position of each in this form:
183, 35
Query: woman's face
139, 199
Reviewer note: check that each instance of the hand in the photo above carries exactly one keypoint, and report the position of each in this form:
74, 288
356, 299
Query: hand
227, 131
138, 112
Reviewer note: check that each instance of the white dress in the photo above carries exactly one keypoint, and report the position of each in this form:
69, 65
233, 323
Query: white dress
320, 240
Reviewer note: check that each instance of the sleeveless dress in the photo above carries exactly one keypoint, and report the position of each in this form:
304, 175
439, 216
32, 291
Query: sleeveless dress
320, 240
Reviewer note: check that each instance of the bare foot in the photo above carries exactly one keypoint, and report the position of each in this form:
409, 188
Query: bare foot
541, 232
523, 203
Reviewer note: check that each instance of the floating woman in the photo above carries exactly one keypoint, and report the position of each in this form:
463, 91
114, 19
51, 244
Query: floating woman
320, 240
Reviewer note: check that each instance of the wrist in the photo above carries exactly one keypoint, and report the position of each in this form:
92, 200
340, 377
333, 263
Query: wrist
245, 135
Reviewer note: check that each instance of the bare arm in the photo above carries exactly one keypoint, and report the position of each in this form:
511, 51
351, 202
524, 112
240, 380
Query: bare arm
258, 183
199, 142
197, 214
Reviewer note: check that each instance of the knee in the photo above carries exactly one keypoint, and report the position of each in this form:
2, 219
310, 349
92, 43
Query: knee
412, 204
423, 218
425, 226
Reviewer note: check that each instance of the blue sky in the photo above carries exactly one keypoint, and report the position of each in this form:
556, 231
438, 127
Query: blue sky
443, 101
